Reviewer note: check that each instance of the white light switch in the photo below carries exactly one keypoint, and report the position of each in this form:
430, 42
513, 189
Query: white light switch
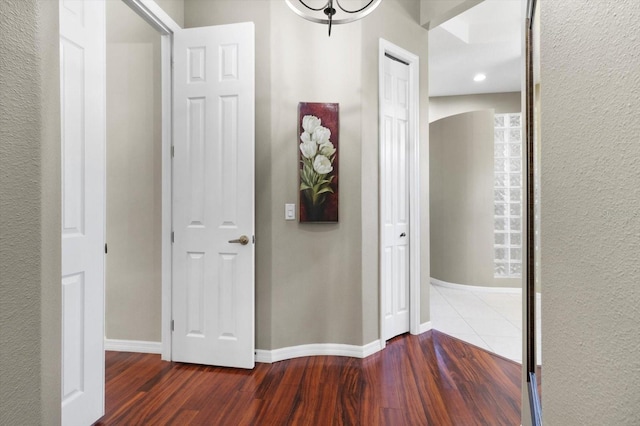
290, 212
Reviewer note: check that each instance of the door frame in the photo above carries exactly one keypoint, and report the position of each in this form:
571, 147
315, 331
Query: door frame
161, 22
413, 61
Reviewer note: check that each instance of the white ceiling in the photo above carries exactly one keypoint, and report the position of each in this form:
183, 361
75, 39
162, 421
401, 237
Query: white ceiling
484, 39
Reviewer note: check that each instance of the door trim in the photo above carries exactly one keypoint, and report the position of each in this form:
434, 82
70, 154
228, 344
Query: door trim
154, 15
413, 62
160, 21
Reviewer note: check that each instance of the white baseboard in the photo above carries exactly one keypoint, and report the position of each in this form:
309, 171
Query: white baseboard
439, 283
425, 326
133, 346
318, 349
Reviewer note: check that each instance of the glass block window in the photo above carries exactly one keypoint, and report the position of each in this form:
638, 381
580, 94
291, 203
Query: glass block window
507, 196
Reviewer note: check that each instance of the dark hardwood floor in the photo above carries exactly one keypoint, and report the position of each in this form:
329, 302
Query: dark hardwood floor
431, 379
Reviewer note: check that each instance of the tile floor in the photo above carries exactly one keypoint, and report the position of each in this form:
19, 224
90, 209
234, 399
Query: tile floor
489, 320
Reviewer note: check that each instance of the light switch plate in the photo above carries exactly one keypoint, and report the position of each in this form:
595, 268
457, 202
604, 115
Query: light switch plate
290, 212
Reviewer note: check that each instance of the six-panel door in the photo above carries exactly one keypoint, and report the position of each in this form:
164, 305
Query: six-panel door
213, 190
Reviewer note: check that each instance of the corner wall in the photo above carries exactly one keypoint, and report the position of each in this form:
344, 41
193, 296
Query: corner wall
316, 272
318, 283
590, 203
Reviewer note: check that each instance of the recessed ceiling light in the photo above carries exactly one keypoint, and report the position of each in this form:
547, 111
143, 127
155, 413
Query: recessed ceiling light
479, 77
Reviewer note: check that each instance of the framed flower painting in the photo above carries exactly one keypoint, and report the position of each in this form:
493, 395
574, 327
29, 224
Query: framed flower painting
318, 131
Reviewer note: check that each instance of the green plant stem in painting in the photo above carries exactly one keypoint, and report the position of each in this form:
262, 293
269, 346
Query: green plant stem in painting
314, 185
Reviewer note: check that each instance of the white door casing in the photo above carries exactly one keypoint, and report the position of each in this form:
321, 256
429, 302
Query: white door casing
82, 96
394, 179
399, 191
213, 196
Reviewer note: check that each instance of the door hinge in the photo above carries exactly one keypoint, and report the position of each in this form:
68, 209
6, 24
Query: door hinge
105, 248
173, 237
173, 151
173, 325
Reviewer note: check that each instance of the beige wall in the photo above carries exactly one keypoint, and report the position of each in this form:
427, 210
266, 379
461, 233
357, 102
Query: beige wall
173, 8
30, 290
461, 168
316, 272
134, 193
590, 201
435, 12
501, 103
317, 283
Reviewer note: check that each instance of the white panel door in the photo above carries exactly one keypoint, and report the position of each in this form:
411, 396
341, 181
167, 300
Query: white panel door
82, 95
394, 177
213, 204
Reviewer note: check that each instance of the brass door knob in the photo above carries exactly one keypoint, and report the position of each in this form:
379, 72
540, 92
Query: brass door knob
244, 240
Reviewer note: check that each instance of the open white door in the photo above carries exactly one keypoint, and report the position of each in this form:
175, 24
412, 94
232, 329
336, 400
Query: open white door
82, 94
394, 212
213, 196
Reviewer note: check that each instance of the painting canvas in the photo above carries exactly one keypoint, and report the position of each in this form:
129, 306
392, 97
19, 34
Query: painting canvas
318, 131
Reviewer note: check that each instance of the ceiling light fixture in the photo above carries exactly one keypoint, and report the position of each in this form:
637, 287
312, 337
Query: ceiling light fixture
333, 16
479, 77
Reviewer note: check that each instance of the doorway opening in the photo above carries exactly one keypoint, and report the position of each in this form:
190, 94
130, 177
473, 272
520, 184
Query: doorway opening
208, 109
136, 218
153, 87
476, 181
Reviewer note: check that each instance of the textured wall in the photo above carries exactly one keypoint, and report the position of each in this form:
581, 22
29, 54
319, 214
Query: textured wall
134, 176
462, 208
501, 103
590, 212
29, 219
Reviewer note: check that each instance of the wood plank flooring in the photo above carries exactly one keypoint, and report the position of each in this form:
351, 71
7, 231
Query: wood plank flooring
431, 379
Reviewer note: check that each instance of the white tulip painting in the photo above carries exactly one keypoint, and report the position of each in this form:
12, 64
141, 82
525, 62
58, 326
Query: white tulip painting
318, 154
